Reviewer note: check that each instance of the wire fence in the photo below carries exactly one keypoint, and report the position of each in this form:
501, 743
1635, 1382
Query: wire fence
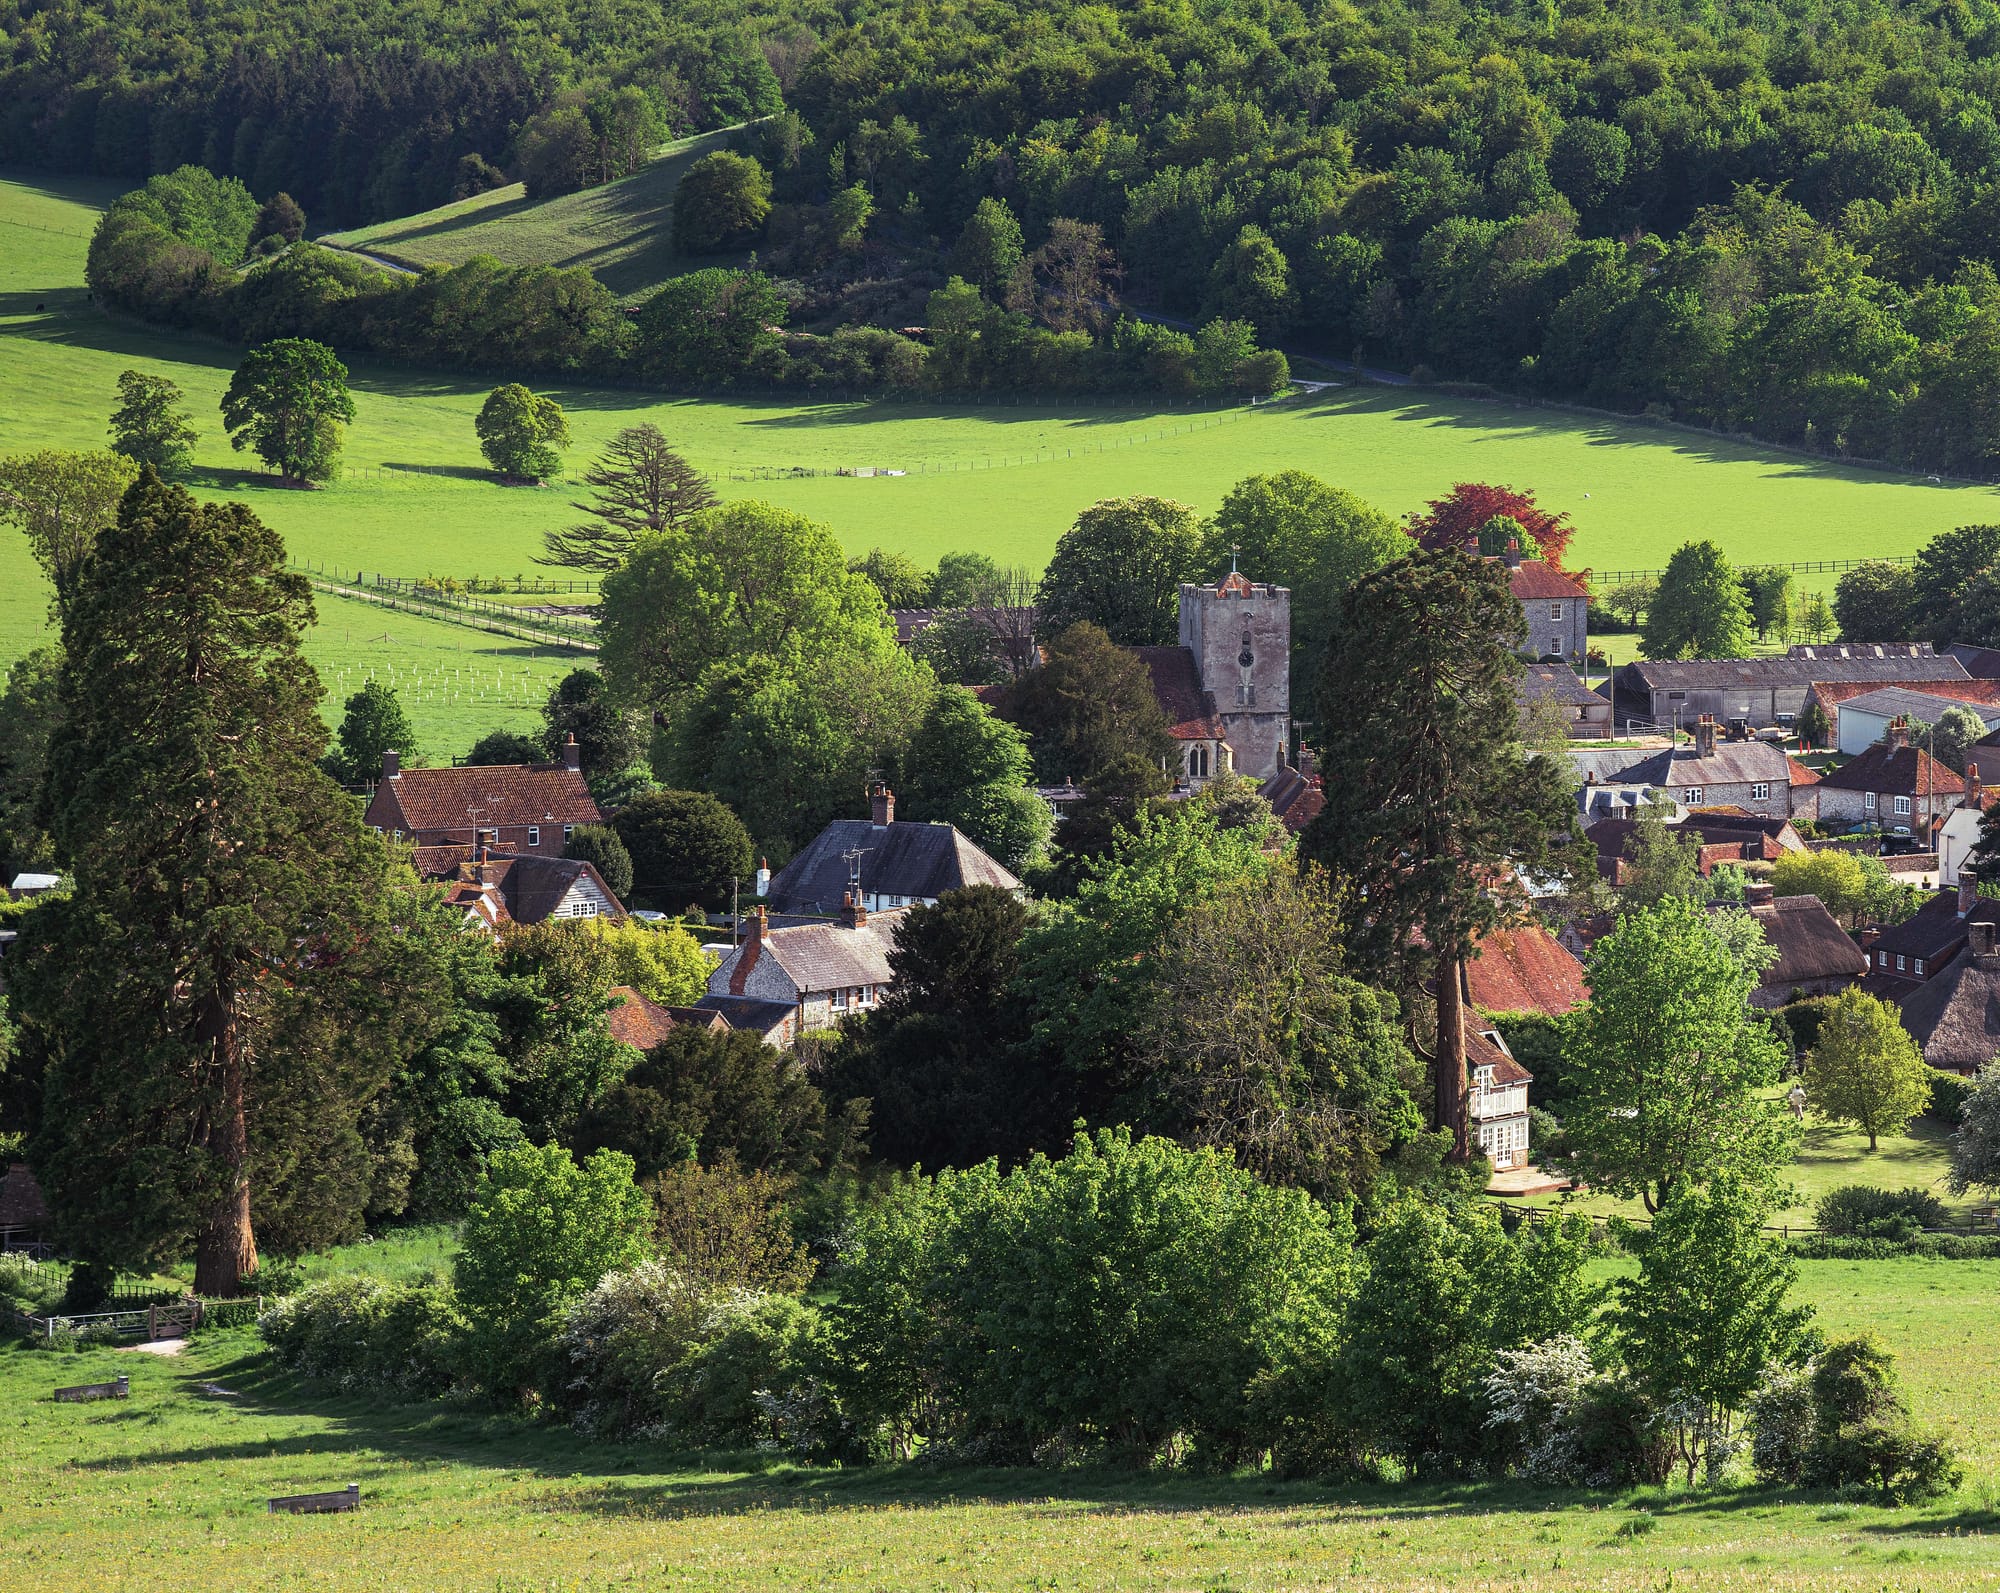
1602, 578
412, 596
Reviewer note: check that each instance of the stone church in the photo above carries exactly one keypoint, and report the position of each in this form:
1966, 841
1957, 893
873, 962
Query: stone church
1226, 689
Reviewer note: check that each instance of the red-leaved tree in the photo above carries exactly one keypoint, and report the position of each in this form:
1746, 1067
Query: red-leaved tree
1454, 521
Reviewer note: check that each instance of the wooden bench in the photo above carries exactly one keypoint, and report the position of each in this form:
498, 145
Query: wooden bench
314, 1504
120, 1389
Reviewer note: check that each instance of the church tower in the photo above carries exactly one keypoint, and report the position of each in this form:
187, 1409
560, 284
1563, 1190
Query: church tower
1240, 633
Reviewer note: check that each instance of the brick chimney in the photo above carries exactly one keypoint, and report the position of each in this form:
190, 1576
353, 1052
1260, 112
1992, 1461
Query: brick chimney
1898, 734
752, 950
1975, 794
1968, 889
1981, 937
882, 805
572, 753
1759, 893
1704, 736
853, 911
1513, 554
392, 764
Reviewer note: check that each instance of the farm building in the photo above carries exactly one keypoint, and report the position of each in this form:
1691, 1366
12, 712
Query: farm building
1765, 691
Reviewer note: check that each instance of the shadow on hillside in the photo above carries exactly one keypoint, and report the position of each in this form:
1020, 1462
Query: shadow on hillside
444, 226
64, 300
808, 413
477, 473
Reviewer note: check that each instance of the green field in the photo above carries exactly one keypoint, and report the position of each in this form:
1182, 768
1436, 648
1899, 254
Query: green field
1002, 478
622, 231
169, 1488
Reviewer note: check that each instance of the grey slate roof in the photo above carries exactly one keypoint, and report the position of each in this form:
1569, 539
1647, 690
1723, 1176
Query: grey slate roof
1893, 700
1733, 763
1699, 674
1560, 682
909, 860
1982, 663
833, 956
748, 1012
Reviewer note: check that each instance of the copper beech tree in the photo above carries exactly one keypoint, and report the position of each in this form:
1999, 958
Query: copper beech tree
1438, 818
212, 1008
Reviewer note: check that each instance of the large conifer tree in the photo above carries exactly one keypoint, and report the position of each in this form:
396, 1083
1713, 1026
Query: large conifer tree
1435, 813
205, 1007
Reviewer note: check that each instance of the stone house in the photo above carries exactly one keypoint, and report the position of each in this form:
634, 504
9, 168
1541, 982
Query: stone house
1556, 607
494, 890
526, 808
823, 972
1588, 712
1755, 777
882, 863
1891, 786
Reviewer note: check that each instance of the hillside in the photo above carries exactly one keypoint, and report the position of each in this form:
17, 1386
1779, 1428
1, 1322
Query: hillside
623, 231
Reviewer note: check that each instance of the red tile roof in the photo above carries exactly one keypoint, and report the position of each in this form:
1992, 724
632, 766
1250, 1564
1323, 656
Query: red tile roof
1832, 693
1190, 711
493, 796
1481, 1052
637, 1020
1532, 578
1904, 771
1524, 970
1800, 773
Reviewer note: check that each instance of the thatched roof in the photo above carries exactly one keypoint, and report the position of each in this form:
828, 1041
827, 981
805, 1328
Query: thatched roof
1955, 1015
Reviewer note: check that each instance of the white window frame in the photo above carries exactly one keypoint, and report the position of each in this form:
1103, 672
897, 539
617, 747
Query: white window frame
1916, 965
1899, 962
534, 835
1902, 807
1881, 959
1868, 802
566, 829
1691, 796
1555, 613
1760, 792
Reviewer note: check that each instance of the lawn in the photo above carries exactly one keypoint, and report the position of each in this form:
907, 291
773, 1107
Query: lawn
1002, 478
1830, 1157
169, 1487
622, 231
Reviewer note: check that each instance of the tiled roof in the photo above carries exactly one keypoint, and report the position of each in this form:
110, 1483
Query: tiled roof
1560, 682
1732, 763
1982, 663
1532, 578
1296, 798
835, 956
1800, 774
1811, 944
1905, 771
1190, 711
529, 887
1683, 674
490, 796
1481, 1051
1524, 970
748, 1012
638, 1020
907, 859
1935, 928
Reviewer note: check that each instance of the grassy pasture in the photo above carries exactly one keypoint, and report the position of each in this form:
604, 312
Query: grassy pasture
169, 1487
1003, 478
622, 231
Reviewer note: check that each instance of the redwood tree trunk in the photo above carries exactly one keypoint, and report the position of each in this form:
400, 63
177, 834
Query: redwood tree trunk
1449, 1070
226, 1251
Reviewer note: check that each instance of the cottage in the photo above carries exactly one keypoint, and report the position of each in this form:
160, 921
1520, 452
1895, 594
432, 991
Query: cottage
775, 1022
1588, 712
1922, 946
1892, 786
1816, 957
1954, 1015
1723, 837
1764, 691
524, 807
639, 1021
494, 890
888, 865
1756, 777
1523, 970
824, 972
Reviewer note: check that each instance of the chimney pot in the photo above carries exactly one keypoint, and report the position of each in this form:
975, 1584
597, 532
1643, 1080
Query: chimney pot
1898, 735
882, 805
852, 913
1704, 736
392, 764
572, 753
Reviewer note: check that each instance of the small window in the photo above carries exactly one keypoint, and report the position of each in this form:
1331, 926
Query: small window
1692, 796
1881, 959
1555, 613
397, 833
1868, 801
1899, 962
1903, 806
1916, 965
1677, 696
534, 835
566, 829
1760, 792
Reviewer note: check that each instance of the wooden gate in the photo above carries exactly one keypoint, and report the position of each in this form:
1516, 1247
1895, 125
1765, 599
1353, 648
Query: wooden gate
174, 1321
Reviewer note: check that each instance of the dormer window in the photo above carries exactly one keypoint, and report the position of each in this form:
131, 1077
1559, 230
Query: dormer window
1916, 965
1899, 962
